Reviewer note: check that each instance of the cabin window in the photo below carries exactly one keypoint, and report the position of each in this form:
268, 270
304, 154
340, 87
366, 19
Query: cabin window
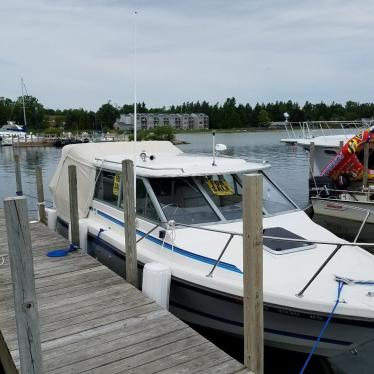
226, 193
108, 188
144, 204
274, 201
182, 201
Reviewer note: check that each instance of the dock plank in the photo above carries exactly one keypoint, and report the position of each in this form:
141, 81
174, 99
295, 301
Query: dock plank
92, 320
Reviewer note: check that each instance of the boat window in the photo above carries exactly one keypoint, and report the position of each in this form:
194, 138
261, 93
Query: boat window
144, 204
182, 201
226, 193
108, 187
274, 201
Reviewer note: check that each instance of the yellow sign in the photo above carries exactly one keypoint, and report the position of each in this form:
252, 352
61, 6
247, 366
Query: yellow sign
220, 187
116, 185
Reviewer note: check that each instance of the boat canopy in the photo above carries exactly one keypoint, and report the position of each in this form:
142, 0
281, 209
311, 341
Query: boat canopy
154, 159
349, 161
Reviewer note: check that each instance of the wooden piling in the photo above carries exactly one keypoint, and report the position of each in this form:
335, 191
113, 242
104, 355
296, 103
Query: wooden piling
130, 224
40, 192
18, 175
22, 272
253, 274
312, 155
365, 179
341, 144
73, 199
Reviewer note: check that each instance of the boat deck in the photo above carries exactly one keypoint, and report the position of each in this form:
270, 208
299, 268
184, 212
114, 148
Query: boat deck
92, 320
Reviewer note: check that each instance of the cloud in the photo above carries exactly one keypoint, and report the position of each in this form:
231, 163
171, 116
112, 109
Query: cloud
80, 53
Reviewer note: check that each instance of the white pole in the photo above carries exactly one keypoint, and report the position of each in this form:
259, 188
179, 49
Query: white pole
23, 104
135, 109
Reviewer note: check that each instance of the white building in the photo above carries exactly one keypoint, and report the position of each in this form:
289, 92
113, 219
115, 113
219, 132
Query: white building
146, 121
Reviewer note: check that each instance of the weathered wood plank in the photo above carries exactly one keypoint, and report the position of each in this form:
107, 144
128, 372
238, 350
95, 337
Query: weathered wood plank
22, 272
73, 199
253, 273
40, 194
129, 219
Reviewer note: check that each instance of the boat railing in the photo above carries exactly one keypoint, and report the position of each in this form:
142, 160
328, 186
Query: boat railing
232, 234
364, 191
311, 129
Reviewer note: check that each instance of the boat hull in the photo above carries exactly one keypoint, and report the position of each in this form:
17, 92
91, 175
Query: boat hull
343, 209
285, 328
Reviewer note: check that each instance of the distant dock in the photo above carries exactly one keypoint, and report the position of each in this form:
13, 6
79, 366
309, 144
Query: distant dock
92, 320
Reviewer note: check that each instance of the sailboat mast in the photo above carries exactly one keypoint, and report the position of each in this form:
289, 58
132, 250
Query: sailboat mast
23, 104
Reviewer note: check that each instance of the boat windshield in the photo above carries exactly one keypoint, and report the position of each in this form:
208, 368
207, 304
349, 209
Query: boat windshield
182, 201
274, 201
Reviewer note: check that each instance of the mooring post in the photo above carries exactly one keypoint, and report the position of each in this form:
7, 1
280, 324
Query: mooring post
18, 175
365, 179
130, 224
312, 155
73, 199
341, 144
22, 272
253, 274
40, 192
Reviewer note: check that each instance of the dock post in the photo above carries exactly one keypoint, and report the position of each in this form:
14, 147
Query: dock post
365, 179
22, 272
73, 199
18, 175
130, 224
341, 145
312, 155
40, 193
253, 312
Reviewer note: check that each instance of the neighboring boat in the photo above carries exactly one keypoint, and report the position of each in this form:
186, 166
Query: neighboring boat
11, 132
193, 207
339, 191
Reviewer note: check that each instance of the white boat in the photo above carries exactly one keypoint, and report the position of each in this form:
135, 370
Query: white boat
336, 188
11, 132
205, 201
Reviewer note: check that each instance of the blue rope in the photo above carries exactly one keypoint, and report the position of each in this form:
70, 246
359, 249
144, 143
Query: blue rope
315, 345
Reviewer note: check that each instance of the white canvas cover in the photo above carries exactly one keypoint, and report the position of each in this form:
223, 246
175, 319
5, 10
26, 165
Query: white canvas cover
83, 157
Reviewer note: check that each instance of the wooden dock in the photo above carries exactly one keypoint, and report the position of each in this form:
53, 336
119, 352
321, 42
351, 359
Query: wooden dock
92, 320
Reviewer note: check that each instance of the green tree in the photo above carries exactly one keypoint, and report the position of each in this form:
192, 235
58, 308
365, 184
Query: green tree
263, 118
107, 115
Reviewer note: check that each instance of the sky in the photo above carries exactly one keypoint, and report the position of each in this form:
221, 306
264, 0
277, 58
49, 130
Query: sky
80, 53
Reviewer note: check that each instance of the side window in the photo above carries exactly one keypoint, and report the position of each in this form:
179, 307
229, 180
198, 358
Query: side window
108, 187
144, 204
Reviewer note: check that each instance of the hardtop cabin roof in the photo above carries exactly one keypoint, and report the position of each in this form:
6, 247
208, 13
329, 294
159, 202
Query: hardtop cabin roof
172, 162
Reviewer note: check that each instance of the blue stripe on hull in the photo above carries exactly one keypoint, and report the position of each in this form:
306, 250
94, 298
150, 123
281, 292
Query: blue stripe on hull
183, 252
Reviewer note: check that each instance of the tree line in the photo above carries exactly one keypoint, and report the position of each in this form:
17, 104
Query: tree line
228, 115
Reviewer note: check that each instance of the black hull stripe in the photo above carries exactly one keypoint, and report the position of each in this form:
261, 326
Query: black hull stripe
267, 330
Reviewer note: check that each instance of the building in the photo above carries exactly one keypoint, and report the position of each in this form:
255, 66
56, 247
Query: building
147, 121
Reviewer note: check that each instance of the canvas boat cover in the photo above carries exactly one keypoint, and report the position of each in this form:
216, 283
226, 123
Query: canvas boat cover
83, 157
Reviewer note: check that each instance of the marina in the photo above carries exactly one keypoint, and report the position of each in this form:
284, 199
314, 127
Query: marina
99, 231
